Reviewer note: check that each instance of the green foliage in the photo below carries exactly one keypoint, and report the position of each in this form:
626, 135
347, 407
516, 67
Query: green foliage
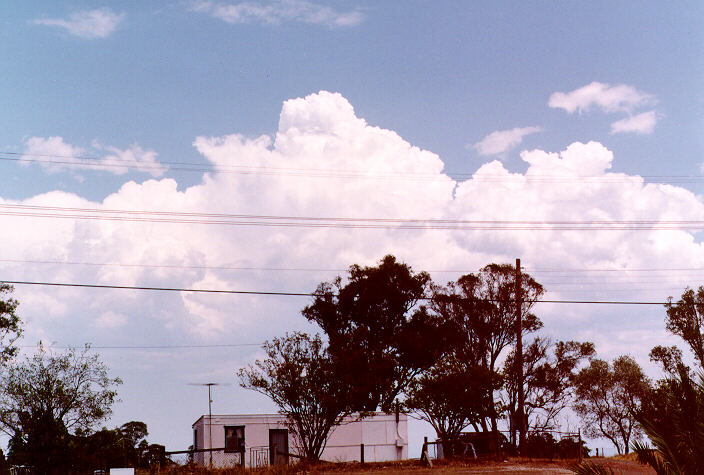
609, 399
591, 468
669, 358
450, 396
300, 377
485, 304
10, 325
685, 318
481, 311
48, 396
378, 335
549, 371
124, 446
673, 419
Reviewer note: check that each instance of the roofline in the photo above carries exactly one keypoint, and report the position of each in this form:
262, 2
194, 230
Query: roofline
276, 414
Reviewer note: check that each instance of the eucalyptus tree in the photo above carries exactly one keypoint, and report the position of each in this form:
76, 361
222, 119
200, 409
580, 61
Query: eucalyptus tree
380, 335
609, 400
300, 377
48, 397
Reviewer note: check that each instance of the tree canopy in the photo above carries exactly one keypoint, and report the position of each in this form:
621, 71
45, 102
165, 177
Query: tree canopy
549, 371
481, 311
450, 396
300, 378
49, 396
10, 324
609, 399
379, 337
685, 318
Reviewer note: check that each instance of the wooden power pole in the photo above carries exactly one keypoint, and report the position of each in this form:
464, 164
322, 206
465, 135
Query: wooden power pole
519, 363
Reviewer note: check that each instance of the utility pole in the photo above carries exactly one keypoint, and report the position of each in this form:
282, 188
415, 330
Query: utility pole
519, 363
210, 417
210, 426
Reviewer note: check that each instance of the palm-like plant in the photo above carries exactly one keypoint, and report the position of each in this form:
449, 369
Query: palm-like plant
674, 422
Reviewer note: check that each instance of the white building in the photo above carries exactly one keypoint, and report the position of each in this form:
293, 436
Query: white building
385, 437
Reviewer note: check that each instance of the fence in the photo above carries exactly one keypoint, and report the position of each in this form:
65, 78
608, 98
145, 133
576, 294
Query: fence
554, 444
216, 458
545, 444
259, 456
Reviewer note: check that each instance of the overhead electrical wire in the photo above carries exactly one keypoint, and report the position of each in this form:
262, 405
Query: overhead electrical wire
152, 347
174, 217
566, 271
166, 289
288, 294
248, 169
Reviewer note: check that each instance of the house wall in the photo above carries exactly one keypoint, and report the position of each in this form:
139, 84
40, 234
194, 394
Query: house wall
382, 437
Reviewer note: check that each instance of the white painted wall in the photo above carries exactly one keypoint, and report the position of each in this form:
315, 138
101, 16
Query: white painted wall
383, 438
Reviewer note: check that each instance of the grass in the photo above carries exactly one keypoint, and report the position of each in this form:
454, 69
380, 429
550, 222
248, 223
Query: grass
390, 468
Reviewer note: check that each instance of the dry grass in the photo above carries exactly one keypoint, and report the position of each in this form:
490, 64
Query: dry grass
513, 465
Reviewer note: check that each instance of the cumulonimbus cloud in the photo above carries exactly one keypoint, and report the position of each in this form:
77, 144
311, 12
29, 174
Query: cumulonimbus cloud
324, 161
501, 141
278, 11
608, 98
90, 24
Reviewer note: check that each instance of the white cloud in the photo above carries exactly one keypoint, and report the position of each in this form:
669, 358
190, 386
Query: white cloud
90, 24
325, 161
617, 98
643, 123
502, 141
55, 155
110, 320
354, 170
278, 11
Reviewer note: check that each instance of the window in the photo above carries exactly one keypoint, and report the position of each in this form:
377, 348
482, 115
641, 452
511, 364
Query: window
234, 438
195, 439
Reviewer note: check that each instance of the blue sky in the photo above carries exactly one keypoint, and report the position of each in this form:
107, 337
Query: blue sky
441, 75
144, 80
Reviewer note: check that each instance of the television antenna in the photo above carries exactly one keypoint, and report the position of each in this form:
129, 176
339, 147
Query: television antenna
210, 416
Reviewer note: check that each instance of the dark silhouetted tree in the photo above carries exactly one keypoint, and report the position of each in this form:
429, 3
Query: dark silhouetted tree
609, 399
450, 396
10, 325
685, 318
672, 419
379, 337
299, 376
46, 398
119, 447
482, 308
549, 371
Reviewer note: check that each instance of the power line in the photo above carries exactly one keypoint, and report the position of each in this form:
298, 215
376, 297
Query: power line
101, 163
333, 269
643, 269
175, 266
111, 161
199, 267
229, 219
165, 289
293, 294
153, 347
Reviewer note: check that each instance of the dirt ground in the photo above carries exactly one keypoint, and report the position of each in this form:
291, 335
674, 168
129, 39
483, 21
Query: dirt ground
510, 466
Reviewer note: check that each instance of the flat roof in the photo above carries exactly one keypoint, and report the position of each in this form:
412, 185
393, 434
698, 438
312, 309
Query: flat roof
281, 416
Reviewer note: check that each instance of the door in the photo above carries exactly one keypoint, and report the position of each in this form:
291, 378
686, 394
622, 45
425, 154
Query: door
278, 446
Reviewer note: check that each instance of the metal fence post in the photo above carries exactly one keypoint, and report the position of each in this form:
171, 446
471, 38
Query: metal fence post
361, 453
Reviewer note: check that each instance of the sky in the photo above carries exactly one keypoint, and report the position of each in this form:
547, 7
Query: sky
216, 145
